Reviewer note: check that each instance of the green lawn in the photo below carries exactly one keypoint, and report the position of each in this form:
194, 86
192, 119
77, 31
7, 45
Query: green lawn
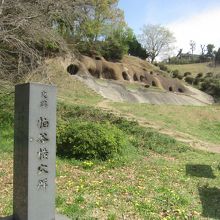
182, 186
161, 179
195, 68
201, 122
164, 179
153, 187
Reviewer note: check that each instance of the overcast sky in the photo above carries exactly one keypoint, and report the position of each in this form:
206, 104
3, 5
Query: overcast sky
196, 20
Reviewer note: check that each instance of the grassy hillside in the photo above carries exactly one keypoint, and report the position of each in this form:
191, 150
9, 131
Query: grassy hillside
200, 122
70, 89
195, 68
203, 76
158, 178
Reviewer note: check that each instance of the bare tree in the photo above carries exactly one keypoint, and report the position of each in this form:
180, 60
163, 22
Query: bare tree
27, 33
156, 39
203, 48
179, 55
192, 46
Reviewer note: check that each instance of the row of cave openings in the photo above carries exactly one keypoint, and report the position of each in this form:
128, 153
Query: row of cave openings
144, 79
73, 70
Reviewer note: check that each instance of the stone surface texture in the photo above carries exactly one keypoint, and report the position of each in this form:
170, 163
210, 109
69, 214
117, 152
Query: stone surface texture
34, 152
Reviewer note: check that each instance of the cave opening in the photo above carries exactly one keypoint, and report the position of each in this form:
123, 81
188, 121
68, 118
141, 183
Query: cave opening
72, 69
125, 76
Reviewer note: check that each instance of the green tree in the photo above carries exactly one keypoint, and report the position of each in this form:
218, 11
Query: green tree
156, 40
210, 48
135, 48
117, 44
99, 17
53, 23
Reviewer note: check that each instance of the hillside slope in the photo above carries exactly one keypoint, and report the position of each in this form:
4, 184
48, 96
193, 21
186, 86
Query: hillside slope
118, 92
74, 90
167, 179
155, 88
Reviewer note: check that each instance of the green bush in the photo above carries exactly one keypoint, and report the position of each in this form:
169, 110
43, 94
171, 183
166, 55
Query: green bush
175, 73
163, 67
143, 139
148, 139
113, 49
199, 75
212, 87
180, 77
209, 74
187, 74
189, 80
90, 140
196, 81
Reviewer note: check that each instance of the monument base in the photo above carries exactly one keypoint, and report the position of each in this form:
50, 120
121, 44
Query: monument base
58, 217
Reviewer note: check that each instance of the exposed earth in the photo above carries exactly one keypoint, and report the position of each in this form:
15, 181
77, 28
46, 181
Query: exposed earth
116, 91
134, 80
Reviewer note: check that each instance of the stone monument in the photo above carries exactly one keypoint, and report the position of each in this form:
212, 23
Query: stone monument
35, 153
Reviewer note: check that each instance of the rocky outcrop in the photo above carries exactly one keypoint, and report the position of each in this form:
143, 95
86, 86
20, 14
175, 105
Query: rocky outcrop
98, 67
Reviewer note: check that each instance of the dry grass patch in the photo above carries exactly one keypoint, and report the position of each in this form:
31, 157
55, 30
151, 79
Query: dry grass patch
69, 88
6, 179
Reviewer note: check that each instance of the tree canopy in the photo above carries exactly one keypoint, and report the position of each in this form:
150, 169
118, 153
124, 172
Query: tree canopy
210, 48
156, 40
33, 29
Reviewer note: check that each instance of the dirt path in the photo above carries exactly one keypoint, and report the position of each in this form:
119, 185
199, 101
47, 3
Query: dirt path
180, 136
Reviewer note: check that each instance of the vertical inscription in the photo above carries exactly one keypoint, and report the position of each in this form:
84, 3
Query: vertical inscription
43, 140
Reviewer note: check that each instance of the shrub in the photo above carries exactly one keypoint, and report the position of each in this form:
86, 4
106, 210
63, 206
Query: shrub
90, 140
212, 87
148, 139
217, 76
204, 86
209, 74
189, 80
163, 67
48, 47
180, 77
199, 75
140, 138
175, 73
113, 49
196, 81
187, 74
